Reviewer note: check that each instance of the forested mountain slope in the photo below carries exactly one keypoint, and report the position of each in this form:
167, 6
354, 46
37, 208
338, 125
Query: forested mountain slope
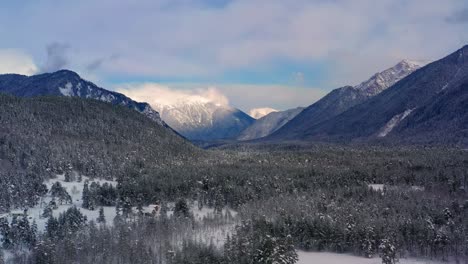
42, 136
68, 83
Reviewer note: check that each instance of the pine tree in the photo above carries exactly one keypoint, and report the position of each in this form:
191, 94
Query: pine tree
181, 209
33, 234
85, 195
52, 228
388, 252
24, 230
101, 219
5, 232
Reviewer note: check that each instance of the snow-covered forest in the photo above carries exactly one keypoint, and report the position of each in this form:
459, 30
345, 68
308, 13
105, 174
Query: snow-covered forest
249, 207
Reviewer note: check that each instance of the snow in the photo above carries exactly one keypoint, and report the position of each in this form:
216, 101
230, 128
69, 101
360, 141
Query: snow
67, 90
383, 80
75, 190
376, 187
211, 228
106, 97
394, 122
380, 187
335, 258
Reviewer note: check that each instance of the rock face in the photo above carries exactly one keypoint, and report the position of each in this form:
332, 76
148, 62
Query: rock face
419, 108
68, 83
342, 99
204, 120
269, 124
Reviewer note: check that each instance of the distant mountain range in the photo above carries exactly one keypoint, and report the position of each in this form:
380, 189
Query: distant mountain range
204, 120
426, 106
334, 103
70, 84
403, 104
268, 124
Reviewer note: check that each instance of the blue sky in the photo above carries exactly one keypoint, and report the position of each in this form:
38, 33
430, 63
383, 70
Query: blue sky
256, 53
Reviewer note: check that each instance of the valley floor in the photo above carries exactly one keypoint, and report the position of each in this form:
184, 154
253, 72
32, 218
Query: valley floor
335, 258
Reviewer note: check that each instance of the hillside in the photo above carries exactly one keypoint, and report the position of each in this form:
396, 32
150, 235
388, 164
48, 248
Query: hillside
43, 136
70, 84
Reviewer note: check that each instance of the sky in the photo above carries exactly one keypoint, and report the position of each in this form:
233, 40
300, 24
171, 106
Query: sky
252, 53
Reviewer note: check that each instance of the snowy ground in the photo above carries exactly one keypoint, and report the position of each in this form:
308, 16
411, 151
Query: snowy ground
75, 189
221, 224
335, 258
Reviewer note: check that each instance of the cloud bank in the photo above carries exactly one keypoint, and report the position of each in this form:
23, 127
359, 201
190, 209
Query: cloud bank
199, 38
159, 95
16, 61
244, 97
261, 112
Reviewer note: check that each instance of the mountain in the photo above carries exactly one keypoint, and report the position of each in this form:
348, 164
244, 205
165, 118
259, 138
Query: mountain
443, 120
204, 120
269, 124
68, 83
382, 80
44, 136
416, 106
342, 99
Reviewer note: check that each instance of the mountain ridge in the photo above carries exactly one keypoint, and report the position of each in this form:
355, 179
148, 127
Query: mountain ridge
204, 120
401, 101
341, 99
69, 83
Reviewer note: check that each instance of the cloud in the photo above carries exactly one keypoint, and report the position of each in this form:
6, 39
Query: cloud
460, 16
242, 96
57, 57
353, 39
96, 64
159, 95
16, 61
261, 112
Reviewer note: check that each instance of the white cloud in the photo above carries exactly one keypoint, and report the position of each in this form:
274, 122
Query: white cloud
186, 38
160, 95
261, 112
242, 96
16, 61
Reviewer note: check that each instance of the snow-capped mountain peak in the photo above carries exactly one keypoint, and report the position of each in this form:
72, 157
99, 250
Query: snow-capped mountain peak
202, 119
382, 80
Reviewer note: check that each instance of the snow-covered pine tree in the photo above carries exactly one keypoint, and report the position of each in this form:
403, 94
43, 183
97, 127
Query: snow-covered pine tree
101, 218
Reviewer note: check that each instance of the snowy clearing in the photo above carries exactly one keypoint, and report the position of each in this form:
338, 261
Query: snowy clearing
335, 258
